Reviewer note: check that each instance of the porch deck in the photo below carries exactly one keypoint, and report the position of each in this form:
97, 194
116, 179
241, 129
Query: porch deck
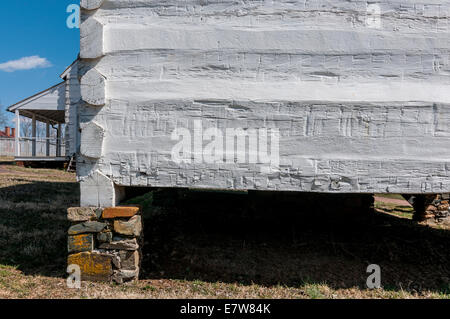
41, 159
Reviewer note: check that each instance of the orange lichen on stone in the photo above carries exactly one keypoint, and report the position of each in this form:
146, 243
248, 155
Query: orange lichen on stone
120, 211
80, 243
93, 266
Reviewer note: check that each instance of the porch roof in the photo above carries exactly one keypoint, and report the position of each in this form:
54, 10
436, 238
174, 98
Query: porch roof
48, 105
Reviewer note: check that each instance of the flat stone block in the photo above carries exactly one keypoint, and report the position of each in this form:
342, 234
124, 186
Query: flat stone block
82, 214
120, 211
121, 276
132, 227
93, 266
121, 244
129, 260
87, 227
105, 237
80, 243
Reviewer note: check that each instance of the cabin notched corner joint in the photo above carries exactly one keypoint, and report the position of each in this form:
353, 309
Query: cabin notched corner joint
106, 243
91, 4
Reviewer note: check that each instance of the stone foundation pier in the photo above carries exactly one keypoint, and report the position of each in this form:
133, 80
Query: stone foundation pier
106, 243
432, 208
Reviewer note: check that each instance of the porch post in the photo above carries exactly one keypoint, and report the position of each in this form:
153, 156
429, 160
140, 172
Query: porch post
58, 141
47, 139
33, 133
17, 138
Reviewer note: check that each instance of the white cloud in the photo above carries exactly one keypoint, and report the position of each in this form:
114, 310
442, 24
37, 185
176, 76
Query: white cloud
25, 63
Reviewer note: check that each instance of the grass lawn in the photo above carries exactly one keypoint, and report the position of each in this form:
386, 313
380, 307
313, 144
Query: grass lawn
213, 245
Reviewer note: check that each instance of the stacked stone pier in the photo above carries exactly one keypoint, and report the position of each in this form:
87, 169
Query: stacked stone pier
106, 242
432, 208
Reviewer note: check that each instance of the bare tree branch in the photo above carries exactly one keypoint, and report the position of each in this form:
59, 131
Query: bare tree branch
3, 116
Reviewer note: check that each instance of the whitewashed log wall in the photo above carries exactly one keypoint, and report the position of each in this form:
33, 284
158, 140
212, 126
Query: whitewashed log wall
361, 101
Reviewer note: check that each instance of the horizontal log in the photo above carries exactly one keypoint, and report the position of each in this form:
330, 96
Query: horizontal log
132, 37
188, 65
136, 90
329, 147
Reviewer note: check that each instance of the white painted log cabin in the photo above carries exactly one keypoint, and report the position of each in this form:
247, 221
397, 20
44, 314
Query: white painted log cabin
56, 107
315, 96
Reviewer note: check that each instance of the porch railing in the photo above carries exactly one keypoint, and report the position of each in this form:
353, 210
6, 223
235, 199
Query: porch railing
41, 147
7, 147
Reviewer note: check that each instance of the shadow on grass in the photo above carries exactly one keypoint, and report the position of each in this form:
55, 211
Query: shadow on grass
287, 239
7, 162
268, 239
33, 226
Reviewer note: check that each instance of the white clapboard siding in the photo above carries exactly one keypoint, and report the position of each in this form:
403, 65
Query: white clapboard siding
52, 99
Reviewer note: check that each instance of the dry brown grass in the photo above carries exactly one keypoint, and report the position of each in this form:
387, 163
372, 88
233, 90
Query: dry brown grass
215, 247
14, 284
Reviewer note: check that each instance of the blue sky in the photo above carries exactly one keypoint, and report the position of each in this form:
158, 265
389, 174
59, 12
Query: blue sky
35, 30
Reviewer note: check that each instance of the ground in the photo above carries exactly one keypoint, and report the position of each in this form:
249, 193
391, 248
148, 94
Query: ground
222, 245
